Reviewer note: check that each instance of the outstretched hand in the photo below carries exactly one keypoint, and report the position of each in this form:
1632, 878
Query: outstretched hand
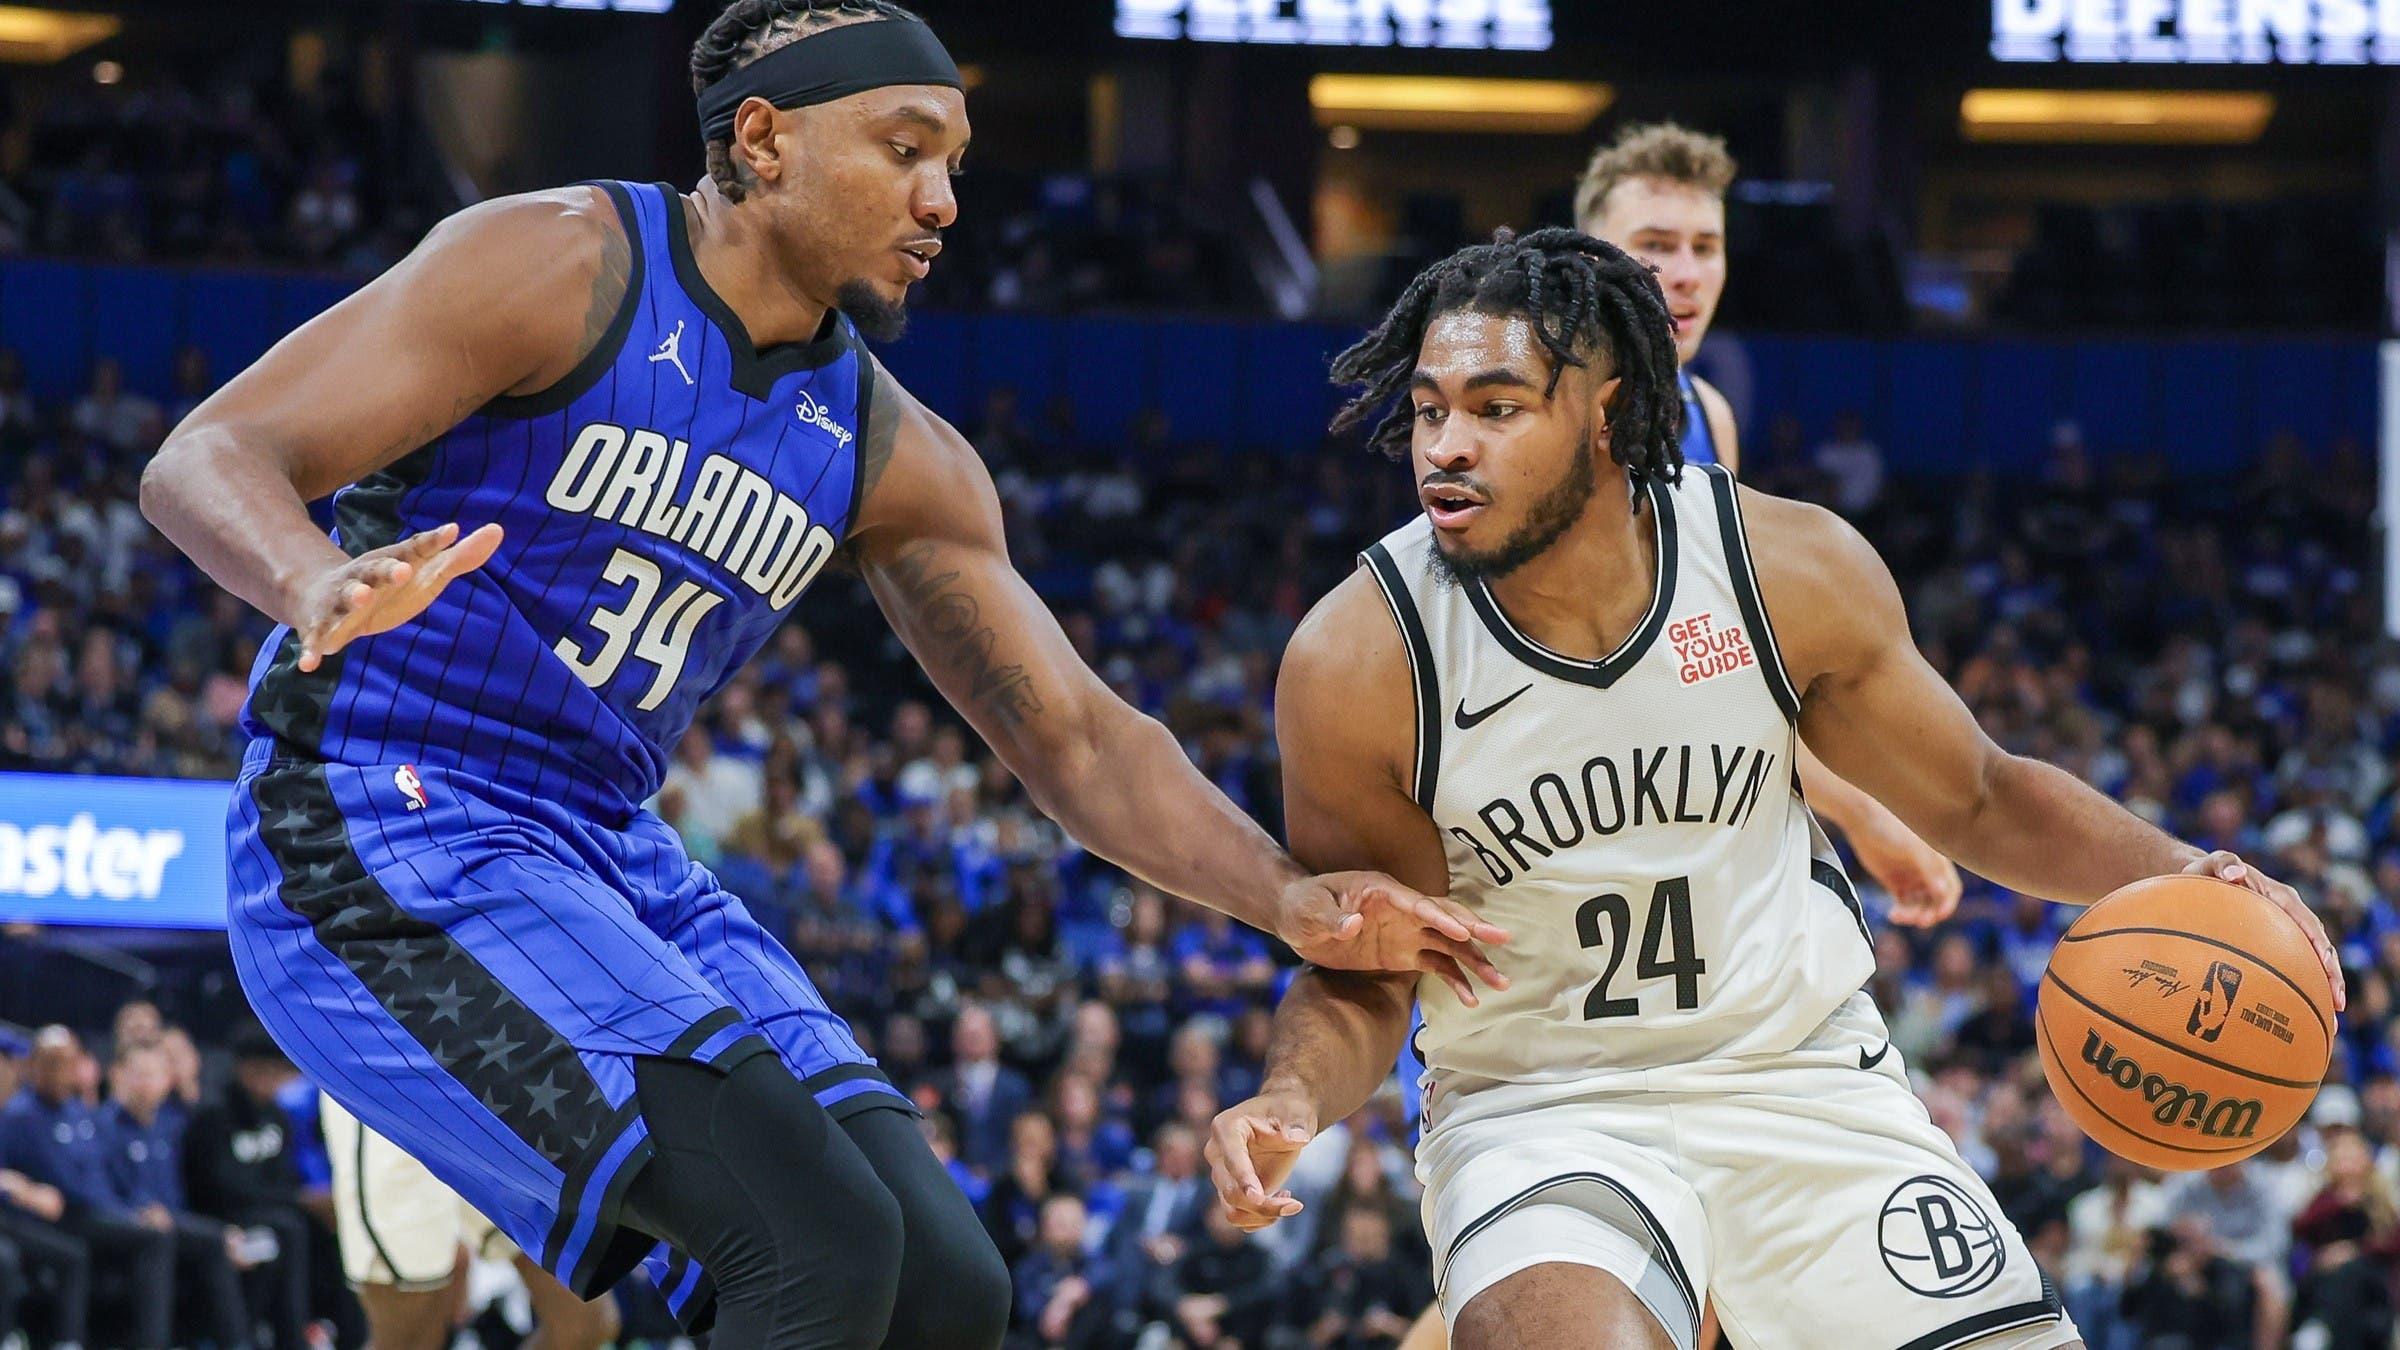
1367, 921
379, 591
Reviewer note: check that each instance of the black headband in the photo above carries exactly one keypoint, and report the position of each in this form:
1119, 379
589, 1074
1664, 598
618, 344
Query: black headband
835, 63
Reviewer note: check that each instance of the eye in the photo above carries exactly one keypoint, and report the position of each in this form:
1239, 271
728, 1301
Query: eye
905, 150
1428, 413
1501, 411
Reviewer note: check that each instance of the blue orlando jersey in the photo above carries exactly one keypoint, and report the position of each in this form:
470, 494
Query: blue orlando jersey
663, 506
1699, 441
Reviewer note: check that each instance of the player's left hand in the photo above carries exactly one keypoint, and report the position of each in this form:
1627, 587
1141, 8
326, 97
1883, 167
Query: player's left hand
1923, 884
2225, 866
1367, 921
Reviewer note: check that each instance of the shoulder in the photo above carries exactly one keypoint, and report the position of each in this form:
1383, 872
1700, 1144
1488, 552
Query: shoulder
1349, 639
1346, 675
918, 476
533, 235
1723, 431
1827, 591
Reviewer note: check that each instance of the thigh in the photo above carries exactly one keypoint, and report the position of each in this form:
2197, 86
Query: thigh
954, 1289
747, 965
1847, 1217
1558, 1307
45, 1245
468, 977
1590, 1183
408, 1319
398, 1225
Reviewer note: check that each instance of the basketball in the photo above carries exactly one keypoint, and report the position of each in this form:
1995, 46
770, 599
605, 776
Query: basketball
2185, 1022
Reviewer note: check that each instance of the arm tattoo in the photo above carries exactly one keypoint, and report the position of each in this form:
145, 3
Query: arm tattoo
957, 635
608, 288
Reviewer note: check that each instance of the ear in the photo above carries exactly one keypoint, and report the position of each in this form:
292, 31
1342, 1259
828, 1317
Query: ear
756, 128
1602, 396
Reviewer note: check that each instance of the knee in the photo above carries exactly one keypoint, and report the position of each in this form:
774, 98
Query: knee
853, 1284
585, 1326
969, 1309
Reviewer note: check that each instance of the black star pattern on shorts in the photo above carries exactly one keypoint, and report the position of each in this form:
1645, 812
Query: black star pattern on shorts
497, 1050
447, 1003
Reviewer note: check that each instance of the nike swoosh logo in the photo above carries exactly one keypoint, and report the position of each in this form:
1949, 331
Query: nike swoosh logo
1468, 721
1867, 1061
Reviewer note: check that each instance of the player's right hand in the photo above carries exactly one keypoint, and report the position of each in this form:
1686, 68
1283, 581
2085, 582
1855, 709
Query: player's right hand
379, 591
1251, 1149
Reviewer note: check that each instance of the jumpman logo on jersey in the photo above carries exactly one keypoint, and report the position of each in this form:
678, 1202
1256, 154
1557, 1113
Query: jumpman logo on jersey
672, 350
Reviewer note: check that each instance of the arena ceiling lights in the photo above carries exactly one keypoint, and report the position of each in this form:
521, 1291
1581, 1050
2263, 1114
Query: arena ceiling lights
42, 36
1448, 103
2114, 116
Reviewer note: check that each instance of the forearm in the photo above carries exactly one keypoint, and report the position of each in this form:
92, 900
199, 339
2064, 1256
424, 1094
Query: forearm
1123, 787
2037, 829
238, 517
1337, 1034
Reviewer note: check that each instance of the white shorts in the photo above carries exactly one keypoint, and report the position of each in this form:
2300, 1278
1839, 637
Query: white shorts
1807, 1195
398, 1224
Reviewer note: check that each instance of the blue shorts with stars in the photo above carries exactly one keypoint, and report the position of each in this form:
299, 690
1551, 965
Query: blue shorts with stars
472, 972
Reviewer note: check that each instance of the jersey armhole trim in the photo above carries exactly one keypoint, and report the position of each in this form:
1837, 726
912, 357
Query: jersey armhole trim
1421, 669
870, 374
598, 361
1744, 574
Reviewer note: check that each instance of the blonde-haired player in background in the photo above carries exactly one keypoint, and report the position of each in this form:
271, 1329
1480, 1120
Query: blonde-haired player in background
1658, 192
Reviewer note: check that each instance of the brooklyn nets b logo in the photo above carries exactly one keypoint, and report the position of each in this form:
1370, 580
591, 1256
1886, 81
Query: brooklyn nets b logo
1937, 1240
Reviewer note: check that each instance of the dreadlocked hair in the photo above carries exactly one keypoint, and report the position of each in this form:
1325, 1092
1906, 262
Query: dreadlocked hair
1585, 298
748, 30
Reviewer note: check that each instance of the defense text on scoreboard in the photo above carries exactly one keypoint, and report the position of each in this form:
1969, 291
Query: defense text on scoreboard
1471, 25
2198, 32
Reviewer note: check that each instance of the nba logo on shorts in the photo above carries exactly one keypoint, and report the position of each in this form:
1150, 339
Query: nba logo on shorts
2215, 1003
1937, 1240
411, 787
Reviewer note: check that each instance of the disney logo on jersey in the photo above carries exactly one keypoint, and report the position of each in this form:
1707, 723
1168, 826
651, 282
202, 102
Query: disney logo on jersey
815, 414
727, 513
1704, 651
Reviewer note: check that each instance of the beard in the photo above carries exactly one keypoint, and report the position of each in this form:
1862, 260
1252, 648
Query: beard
1553, 512
880, 320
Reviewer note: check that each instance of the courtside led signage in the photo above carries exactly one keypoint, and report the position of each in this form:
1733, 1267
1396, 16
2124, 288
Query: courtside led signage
2198, 32
120, 852
1473, 25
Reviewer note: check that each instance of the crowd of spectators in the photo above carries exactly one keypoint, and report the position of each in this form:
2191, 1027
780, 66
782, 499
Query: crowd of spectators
232, 170
2207, 653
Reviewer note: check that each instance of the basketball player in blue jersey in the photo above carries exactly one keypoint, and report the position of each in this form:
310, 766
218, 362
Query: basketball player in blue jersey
1658, 192
587, 448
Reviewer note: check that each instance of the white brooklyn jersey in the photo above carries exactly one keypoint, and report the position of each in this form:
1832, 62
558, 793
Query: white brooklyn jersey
1635, 823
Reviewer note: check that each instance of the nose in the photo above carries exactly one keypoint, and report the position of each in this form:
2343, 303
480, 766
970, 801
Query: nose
1679, 271
936, 206
1453, 447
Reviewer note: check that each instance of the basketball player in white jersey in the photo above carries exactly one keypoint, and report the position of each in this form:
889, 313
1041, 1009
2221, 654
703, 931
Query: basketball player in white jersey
1658, 192
1570, 695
